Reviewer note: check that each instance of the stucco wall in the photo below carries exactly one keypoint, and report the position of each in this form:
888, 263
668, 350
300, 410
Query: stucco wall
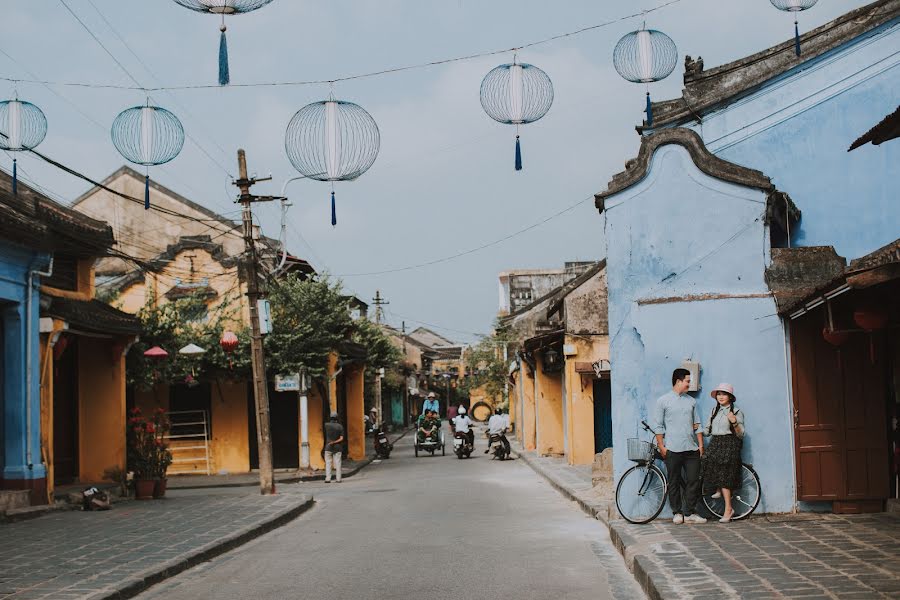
674, 238
356, 437
548, 399
101, 408
585, 307
580, 398
797, 131
230, 444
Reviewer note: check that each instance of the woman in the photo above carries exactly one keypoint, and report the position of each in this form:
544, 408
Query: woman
721, 467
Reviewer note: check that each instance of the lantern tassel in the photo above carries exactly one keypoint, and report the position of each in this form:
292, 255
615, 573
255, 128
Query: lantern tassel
518, 155
224, 78
649, 111
15, 179
146, 192
796, 39
333, 211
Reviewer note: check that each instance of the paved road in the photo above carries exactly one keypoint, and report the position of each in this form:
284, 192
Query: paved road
427, 527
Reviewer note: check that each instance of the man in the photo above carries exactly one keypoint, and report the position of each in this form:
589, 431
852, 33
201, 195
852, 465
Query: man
497, 425
334, 439
428, 427
463, 424
431, 404
680, 441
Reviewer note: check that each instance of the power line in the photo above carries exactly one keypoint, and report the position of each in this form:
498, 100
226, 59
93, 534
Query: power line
385, 71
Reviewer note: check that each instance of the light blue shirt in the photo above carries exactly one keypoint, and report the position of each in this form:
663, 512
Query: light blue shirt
674, 418
431, 404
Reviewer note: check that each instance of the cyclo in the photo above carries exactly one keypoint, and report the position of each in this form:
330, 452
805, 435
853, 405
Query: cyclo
641, 492
429, 436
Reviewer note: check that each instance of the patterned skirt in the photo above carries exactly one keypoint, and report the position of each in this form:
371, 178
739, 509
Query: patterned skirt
721, 466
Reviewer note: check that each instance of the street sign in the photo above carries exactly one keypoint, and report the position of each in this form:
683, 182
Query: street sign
287, 383
265, 316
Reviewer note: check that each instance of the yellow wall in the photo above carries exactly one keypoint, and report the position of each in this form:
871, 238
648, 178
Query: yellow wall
549, 411
354, 382
230, 444
101, 408
316, 434
513, 405
46, 384
580, 399
528, 438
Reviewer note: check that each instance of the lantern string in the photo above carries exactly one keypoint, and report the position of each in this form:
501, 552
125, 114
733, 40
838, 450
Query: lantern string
386, 71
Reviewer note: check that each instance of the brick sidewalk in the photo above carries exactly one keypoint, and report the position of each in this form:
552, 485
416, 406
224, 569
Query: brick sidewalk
778, 556
118, 553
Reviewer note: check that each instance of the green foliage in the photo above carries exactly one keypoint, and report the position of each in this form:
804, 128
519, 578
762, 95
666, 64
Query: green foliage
381, 351
486, 366
148, 451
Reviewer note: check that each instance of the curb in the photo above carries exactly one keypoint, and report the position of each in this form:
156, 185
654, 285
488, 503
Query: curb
135, 585
302, 478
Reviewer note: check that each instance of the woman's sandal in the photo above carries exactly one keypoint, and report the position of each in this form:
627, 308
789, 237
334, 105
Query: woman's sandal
726, 518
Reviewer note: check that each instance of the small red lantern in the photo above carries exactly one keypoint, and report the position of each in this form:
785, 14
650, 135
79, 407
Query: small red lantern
835, 338
871, 319
229, 343
156, 353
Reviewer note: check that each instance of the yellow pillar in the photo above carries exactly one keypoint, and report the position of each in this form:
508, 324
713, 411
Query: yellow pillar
316, 433
354, 381
332, 381
549, 411
101, 408
527, 431
579, 415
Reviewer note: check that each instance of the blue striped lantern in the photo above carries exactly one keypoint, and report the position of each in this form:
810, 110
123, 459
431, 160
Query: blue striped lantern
22, 127
645, 56
794, 6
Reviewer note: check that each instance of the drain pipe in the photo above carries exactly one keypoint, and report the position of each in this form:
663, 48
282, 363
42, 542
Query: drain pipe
29, 363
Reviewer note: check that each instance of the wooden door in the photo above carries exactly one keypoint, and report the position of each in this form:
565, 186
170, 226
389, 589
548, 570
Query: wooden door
65, 413
602, 415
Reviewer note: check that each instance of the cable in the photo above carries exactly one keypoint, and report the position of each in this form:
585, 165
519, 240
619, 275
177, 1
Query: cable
385, 71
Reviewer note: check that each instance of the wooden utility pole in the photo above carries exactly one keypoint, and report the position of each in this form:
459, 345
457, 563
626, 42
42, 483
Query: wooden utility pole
378, 301
258, 357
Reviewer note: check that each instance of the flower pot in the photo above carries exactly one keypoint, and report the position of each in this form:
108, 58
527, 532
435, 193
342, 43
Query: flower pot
159, 487
143, 489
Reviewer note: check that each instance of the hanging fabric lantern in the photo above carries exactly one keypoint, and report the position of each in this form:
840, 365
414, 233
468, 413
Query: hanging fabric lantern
834, 337
794, 6
156, 353
22, 127
191, 351
223, 7
516, 94
645, 56
229, 344
871, 319
332, 140
148, 136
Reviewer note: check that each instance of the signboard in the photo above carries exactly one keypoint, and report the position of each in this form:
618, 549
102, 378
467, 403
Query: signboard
287, 383
265, 316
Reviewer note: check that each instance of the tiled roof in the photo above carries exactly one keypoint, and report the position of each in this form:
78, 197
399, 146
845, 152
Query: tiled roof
887, 129
92, 316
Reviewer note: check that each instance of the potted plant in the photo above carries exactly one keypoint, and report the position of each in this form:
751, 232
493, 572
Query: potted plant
162, 456
141, 454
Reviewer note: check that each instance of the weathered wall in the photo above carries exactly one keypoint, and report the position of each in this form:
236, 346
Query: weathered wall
580, 398
528, 429
686, 255
316, 433
548, 398
586, 307
230, 444
356, 436
101, 408
797, 130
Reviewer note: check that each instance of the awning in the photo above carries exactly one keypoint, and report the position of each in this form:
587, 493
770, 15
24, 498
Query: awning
91, 316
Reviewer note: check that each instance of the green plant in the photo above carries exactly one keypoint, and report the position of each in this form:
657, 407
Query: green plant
148, 450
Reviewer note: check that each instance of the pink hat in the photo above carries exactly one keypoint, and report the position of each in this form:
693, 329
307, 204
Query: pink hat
723, 387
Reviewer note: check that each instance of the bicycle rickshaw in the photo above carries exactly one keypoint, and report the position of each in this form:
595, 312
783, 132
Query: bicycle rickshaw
430, 444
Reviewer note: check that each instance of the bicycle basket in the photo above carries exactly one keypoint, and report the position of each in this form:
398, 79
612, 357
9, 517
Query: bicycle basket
639, 450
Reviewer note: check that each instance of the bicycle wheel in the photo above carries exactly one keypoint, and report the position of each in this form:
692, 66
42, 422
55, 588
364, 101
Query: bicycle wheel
743, 500
641, 493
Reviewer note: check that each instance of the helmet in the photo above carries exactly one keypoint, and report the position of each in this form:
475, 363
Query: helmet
334, 415
462, 410
498, 411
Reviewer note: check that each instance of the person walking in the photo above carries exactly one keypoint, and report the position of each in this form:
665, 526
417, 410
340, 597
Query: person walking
334, 440
721, 467
680, 442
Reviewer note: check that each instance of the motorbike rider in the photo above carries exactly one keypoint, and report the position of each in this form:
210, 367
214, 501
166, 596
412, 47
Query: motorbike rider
497, 425
463, 424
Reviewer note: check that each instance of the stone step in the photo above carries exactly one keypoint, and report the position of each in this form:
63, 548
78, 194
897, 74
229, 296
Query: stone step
13, 499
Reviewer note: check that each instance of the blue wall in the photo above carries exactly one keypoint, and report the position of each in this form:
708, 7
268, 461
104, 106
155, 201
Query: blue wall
680, 232
797, 130
14, 265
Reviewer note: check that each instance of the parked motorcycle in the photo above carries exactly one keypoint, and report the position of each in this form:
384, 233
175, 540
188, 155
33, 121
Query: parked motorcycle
497, 447
462, 445
383, 446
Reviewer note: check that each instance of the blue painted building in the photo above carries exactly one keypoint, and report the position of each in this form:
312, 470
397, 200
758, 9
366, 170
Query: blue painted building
702, 231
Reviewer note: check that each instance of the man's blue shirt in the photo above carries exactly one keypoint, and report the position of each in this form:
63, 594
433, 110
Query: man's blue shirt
431, 404
674, 418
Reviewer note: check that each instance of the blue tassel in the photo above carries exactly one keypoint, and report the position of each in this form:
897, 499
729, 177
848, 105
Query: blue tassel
518, 155
333, 211
15, 187
796, 39
147, 192
224, 78
649, 111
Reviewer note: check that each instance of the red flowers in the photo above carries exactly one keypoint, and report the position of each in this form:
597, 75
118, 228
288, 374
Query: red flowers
148, 448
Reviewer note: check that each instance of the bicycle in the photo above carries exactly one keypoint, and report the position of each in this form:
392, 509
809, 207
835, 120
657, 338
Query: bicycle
641, 491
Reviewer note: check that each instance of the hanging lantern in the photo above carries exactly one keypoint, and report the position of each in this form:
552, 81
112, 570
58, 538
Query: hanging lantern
191, 351
223, 7
645, 56
835, 338
156, 353
148, 136
516, 94
872, 320
794, 6
22, 127
229, 344
332, 140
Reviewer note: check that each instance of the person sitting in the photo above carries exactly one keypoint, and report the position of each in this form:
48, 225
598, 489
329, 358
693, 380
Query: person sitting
431, 403
463, 424
429, 427
497, 426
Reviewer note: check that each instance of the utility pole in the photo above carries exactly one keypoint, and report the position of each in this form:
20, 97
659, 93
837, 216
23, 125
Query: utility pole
260, 384
378, 301
405, 381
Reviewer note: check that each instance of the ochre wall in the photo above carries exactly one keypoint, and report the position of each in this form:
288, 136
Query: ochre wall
549, 410
101, 408
513, 404
230, 444
580, 398
354, 382
316, 434
528, 434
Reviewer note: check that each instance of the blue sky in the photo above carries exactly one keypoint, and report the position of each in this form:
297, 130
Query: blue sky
444, 180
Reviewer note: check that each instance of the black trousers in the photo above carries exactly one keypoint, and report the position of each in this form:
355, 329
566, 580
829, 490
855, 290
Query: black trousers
689, 463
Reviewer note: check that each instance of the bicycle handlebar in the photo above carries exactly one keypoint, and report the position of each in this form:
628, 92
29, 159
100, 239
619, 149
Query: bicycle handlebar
647, 427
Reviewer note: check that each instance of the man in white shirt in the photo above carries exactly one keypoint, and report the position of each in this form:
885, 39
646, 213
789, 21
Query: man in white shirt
463, 424
497, 425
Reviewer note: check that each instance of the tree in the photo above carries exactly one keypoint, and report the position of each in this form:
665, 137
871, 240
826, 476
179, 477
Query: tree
486, 366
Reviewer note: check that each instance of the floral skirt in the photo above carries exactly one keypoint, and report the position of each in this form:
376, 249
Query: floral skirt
721, 466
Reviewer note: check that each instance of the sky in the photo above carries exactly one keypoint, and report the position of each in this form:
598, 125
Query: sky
443, 183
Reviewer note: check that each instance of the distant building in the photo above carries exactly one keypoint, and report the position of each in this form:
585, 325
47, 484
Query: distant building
519, 287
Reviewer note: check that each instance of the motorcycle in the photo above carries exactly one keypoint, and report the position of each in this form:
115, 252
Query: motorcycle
497, 447
462, 445
383, 446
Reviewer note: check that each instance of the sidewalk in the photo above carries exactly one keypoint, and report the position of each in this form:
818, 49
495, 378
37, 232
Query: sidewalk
767, 556
120, 552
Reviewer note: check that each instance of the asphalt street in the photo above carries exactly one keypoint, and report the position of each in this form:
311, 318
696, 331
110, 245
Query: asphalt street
427, 527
